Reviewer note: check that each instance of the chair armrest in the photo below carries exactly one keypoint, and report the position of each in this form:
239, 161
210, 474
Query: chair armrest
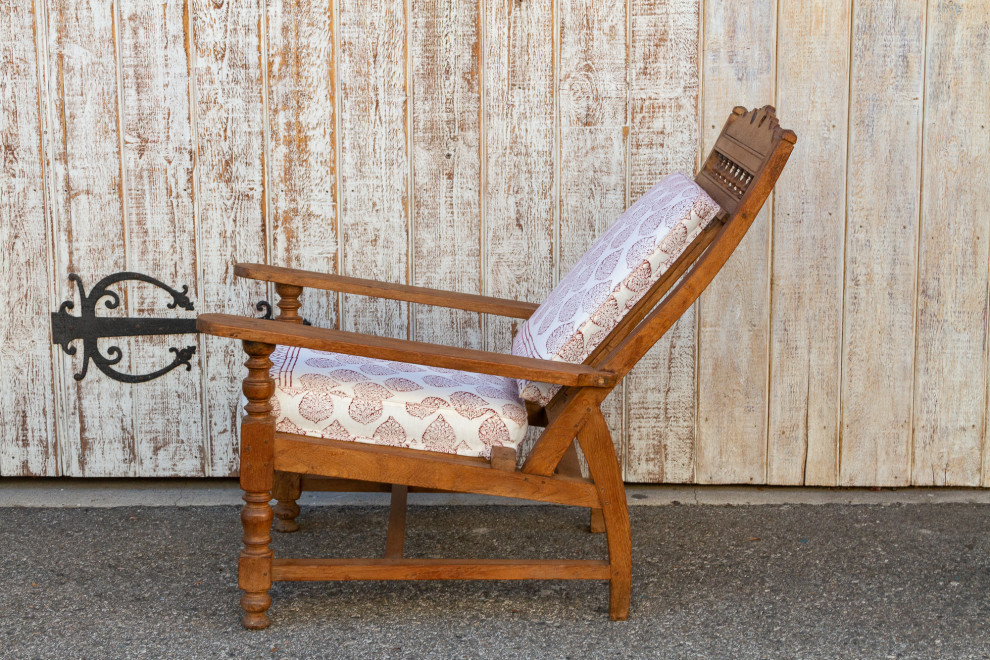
417, 294
403, 350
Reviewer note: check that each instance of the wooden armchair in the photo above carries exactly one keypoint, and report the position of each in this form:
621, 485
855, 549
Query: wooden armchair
379, 413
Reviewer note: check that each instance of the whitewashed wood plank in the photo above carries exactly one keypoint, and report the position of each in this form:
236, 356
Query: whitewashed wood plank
592, 101
881, 245
374, 213
27, 404
591, 149
446, 164
808, 243
738, 69
664, 88
161, 241
519, 107
950, 404
303, 127
89, 227
225, 47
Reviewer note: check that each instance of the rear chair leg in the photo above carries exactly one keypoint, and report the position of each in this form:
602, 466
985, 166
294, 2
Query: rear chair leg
570, 466
597, 521
286, 490
254, 568
396, 537
605, 472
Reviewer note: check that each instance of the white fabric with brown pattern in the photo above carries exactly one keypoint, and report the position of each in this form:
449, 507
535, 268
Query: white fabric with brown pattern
618, 270
346, 397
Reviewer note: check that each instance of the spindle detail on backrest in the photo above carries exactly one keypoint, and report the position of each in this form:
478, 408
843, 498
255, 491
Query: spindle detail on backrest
739, 154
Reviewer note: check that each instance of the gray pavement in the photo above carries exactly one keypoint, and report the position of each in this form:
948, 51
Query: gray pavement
768, 581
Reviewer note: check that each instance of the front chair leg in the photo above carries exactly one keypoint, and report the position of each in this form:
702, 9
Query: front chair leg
603, 465
254, 569
286, 490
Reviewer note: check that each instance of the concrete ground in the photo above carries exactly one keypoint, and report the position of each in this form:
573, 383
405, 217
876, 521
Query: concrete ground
762, 581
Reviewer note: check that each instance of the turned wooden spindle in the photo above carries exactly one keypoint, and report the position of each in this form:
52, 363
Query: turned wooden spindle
288, 302
286, 488
254, 569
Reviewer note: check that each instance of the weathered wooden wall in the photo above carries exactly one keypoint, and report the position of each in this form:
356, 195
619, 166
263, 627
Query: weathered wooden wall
480, 146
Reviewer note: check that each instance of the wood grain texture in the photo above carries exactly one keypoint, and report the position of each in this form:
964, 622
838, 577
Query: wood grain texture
403, 350
950, 415
733, 350
374, 213
607, 475
660, 395
414, 467
395, 539
519, 108
439, 569
303, 129
808, 243
161, 241
89, 225
225, 55
591, 145
27, 402
884, 180
385, 290
170, 135
446, 164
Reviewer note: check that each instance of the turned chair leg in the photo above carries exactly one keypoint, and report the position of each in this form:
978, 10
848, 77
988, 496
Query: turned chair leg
286, 490
254, 569
605, 472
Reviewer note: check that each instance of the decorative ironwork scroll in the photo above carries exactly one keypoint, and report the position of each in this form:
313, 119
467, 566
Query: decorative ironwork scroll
266, 307
90, 328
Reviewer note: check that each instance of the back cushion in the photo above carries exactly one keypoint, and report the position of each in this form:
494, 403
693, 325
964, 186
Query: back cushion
618, 270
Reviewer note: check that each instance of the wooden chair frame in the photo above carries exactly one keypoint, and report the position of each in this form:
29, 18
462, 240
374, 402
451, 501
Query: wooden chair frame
739, 174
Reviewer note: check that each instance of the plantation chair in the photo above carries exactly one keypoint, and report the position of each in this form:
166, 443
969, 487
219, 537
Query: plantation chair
398, 414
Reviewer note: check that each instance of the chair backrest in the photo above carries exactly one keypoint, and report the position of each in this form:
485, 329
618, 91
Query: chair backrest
618, 268
739, 174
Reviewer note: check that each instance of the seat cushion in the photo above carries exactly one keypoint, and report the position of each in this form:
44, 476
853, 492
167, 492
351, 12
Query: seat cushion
615, 272
359, 399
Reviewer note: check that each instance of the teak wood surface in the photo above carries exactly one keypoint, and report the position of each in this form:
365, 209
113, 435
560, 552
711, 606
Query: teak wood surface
739, 174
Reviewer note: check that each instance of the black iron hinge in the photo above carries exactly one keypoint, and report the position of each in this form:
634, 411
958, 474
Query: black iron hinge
90, 328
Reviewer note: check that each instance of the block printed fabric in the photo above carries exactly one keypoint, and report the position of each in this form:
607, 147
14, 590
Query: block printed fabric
618, 270
360, 399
